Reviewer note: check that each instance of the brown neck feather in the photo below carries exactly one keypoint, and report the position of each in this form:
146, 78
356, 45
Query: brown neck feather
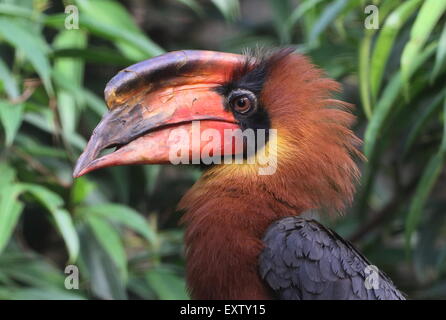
225, 225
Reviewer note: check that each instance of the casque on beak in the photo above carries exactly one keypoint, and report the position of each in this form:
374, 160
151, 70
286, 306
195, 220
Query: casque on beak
150, 99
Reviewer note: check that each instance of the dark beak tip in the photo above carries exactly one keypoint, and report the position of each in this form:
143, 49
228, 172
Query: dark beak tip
77, 171
81, 165
80, 171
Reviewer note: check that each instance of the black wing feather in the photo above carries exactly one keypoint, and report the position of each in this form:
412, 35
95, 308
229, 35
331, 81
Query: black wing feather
303, 260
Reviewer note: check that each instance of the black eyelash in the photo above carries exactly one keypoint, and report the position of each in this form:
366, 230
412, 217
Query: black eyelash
251, 74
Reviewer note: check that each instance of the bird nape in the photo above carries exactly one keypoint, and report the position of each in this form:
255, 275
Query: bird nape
274, 143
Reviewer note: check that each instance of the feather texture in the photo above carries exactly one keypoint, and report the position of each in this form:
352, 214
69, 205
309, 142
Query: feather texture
303, 260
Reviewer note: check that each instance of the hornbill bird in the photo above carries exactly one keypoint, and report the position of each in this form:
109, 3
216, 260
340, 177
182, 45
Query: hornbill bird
245, 235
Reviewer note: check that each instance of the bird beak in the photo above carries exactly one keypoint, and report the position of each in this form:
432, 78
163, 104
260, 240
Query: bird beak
153, 99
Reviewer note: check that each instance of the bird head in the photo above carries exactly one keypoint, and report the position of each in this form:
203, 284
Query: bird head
188, 104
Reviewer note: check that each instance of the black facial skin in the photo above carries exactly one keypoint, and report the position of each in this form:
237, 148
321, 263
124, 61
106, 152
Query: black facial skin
248, 111
248, 79
247, 83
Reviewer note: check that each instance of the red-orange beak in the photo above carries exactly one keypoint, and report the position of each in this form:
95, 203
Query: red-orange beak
149, 100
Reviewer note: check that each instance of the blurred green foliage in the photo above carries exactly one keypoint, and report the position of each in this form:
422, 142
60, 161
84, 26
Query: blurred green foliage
119, 225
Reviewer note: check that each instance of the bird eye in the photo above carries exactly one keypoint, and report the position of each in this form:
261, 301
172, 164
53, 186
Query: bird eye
241, 104
243, 101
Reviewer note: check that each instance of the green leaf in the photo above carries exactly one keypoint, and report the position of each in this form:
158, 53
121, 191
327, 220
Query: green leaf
381, 113
101, 15
67, 229
326, 18
443, 142
147, 47
299, 12
229, 8
52, 202
281, 11
66, 106
100, 270
123, 215
10, 209
152, 173
72, 69
110, 240
440, 58
39, 294
430, 13
49, 199
364, 85
422, 119
144, 45
11, 119
385, 42
82, 187
9, 82
139, 287
424, 187
110, 12
7, 176
18, 11
44, 121
97, 55
194, 5
36, 149
30, 269
386, 102
92, 100
166, 284
33, 46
